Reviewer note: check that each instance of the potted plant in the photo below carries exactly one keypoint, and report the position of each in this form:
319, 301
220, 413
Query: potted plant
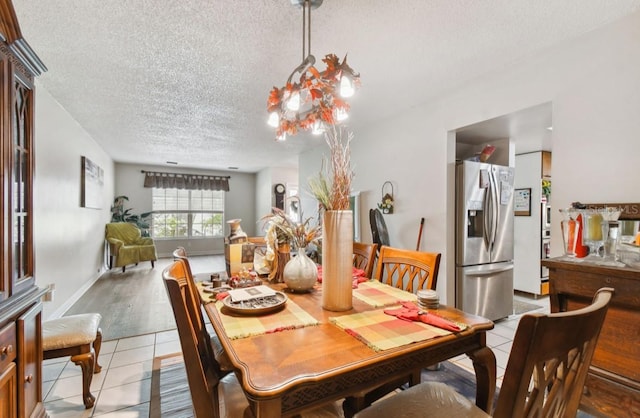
120, 214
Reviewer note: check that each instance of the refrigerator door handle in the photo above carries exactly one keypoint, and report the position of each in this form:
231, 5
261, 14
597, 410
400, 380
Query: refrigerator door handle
486, 272
486, 205
495, 207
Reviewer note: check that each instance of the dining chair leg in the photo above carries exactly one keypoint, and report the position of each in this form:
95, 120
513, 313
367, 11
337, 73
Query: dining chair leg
484, 363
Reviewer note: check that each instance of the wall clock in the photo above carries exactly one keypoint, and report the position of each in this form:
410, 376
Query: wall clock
279, 190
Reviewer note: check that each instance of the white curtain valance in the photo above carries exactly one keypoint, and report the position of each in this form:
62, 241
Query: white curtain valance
185, 181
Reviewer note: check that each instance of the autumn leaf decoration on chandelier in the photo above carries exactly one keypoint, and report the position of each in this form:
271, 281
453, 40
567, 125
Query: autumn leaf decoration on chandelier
318, 98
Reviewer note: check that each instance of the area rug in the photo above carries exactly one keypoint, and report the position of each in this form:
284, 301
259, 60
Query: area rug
170, 395
520, 307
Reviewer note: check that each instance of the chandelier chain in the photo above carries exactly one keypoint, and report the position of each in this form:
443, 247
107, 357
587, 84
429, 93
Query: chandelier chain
306, 29
315, 98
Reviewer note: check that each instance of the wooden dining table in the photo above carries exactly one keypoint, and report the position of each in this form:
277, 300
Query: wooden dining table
290, 370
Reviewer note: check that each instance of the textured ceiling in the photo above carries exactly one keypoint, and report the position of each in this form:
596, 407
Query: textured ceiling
187, 81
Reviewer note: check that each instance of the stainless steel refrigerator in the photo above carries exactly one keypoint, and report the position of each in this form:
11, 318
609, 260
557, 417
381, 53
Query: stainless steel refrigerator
484, 239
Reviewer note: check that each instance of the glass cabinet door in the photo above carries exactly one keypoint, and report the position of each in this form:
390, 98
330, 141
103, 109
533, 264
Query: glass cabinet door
21, 186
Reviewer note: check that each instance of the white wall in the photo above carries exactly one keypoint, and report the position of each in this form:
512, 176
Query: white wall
240, 202
594, 86
265, 197
527, 230
69, 239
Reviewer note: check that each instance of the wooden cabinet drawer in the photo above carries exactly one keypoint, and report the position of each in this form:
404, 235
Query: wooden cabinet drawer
7, 345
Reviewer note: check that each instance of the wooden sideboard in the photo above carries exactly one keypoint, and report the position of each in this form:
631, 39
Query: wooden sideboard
613, 385
20, 306
21, 356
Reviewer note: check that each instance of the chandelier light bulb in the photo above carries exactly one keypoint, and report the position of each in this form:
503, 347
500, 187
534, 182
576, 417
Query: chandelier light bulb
293, 103
346, 87
317, 128
341, 115
274, 119
282, 137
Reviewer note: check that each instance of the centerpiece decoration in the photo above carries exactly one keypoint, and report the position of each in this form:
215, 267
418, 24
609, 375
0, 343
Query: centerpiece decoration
300, 272
332, 188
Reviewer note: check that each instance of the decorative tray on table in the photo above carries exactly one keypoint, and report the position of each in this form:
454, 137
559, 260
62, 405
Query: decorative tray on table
257, 303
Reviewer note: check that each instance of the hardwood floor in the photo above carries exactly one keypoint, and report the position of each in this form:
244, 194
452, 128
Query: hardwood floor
135, 302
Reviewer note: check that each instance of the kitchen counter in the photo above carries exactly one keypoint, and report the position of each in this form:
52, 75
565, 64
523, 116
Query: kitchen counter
613, 384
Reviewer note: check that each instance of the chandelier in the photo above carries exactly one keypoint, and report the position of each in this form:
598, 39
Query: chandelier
316, 98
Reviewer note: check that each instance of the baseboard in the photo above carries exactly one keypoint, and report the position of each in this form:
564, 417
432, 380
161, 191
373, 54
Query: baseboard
62, 309
192, 253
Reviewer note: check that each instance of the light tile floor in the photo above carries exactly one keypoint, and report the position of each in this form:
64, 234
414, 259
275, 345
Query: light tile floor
123, 387
501, 336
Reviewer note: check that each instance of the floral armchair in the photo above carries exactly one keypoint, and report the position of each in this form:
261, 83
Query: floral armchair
128, 246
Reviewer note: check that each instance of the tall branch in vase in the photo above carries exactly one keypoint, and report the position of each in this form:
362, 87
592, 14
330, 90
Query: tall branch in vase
332, 188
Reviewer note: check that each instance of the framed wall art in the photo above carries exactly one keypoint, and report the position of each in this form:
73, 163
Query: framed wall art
92, 184
522, 202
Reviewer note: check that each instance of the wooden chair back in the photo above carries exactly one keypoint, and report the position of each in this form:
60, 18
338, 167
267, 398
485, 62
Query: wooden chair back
211, 342
549, 361
407, 269
203, 370
545, 375
364, 257
181, 254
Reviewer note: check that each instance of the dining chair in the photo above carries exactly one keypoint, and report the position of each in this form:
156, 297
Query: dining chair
411, 271
206, 384
545, 374
213, 345
364, 257
407, 269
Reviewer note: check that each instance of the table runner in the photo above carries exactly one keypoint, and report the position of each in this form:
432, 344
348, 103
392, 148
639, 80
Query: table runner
381, 295
382, 332
242, 326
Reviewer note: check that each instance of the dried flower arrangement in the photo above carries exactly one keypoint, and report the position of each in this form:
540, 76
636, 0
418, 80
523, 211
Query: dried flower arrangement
332, 186
288, 231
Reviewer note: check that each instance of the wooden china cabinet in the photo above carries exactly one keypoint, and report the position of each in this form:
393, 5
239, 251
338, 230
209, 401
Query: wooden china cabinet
20, 305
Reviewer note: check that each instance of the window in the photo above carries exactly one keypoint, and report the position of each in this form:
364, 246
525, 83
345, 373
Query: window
181, 213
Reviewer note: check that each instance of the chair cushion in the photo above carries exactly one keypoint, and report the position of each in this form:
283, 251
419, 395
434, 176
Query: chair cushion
70, 331
429, 399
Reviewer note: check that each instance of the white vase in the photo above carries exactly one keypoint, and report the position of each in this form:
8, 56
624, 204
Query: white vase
300, 273
337, 260
236, 234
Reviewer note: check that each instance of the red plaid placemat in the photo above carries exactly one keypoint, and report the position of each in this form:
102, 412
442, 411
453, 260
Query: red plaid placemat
382, 332
380, 295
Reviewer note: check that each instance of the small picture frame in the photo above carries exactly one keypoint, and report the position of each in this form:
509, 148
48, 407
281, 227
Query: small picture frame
522, 202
